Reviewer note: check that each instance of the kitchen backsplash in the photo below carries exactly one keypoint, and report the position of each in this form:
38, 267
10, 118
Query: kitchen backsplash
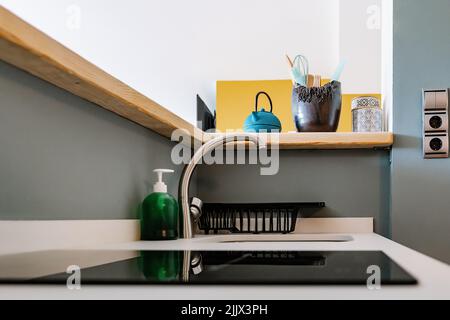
65, 158
86, 163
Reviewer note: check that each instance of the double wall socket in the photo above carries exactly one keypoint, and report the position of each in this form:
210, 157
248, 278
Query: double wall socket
435, 123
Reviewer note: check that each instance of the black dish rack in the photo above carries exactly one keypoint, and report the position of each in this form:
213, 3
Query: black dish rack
252, 218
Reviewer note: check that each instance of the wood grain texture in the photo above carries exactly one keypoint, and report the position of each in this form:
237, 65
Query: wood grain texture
29, 49
328, 140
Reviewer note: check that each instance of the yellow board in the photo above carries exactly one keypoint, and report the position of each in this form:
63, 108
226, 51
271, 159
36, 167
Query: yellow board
235, 101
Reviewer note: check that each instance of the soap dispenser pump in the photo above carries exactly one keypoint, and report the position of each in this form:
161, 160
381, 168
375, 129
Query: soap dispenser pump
160, 186
159, 212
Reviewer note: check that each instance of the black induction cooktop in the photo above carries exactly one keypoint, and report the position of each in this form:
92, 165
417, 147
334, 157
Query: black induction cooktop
203, 267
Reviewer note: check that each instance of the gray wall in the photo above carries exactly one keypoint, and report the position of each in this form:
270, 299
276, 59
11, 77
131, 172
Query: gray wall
64, 158
353, 183
420, 188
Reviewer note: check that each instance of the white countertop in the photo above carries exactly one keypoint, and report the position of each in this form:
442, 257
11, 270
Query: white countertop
433, 276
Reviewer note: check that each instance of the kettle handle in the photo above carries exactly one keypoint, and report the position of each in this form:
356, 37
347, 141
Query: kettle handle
257, 98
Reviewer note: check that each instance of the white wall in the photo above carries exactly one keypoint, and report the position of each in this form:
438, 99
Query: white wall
360, 45
387, 62
170, 50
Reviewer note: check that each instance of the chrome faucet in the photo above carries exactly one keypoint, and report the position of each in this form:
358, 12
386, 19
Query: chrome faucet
191, 213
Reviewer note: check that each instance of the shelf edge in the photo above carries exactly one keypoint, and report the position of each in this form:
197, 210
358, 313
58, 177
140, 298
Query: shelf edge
334, 140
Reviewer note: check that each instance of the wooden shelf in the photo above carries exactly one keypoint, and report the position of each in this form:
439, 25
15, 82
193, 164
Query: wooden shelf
327, 140
29, 49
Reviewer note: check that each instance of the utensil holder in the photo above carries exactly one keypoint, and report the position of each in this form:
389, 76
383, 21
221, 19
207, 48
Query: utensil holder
317, 109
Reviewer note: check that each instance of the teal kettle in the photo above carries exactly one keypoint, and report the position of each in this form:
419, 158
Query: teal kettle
262, 121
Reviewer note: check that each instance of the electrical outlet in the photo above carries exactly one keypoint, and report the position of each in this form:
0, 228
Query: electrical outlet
436, 146
435, 123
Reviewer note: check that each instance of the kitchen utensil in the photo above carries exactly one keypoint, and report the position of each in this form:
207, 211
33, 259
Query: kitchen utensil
310, 81
337, 74
262, 121
300, 70
367, 115
291, 65
317, 81
313, 81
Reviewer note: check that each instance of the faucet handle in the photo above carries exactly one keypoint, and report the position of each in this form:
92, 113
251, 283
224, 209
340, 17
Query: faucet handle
196, 208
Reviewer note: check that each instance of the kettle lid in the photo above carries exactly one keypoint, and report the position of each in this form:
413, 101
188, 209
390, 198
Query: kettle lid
263, 117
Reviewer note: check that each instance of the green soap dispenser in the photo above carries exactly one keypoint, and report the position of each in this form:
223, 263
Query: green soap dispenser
159, 212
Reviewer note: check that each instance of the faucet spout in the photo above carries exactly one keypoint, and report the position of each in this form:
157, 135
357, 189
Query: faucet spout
187, 222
